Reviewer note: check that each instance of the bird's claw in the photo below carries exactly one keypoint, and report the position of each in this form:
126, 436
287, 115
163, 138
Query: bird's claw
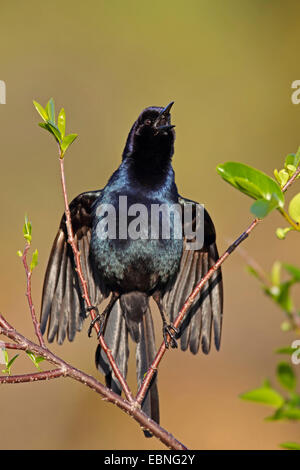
170, 330
98, 318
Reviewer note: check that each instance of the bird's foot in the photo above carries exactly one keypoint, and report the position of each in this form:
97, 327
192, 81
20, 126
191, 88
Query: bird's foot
98, 319
170, 330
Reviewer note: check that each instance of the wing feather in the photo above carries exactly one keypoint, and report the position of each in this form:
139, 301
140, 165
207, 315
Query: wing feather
207, 308
62, 303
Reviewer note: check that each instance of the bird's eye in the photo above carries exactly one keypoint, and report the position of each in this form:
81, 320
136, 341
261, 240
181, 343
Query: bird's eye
147, 122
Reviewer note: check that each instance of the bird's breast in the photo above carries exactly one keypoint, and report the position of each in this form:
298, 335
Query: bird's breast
136, 242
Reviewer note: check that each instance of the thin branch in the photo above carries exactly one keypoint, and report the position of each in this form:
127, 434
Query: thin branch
66, 370
83, 282
19, 347
192, 297
261, 273
44, 375
291, 180
28, 272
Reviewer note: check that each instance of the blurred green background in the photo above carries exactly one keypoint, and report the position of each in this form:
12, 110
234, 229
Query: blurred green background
229, 67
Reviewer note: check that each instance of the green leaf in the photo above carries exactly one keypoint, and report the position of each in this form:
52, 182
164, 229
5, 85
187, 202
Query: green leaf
282, 232
286, 376
5, 356
281, 176
266, 383
27, 229
50, 108
27, 226
297, 158
55, 131
253, 183
293, 159
294, 208
262, 207
39, 359
275, 273
34, 260
295, 400
281, 295
46, 126
67, 141
9, 363
293, 270
286, 326
35, 359
19, 253
285, 412
284, 176
52, 128
292, 413
290, 445
291, 169
12, 361
42, 112
285, 350
264, 395
252, 271
61, 122
31, 355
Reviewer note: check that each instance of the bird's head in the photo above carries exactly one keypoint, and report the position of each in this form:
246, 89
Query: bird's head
151, 134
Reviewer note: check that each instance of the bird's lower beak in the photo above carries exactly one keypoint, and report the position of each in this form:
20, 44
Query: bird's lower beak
164, 128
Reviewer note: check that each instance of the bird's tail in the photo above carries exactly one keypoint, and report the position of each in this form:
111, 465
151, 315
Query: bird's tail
145, 353
116, 338
131, 314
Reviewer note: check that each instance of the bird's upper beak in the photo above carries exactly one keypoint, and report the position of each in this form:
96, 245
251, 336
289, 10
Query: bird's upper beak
162, 122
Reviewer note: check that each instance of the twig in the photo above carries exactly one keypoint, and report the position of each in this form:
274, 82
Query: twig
28, 272
44, 375
20, 347
192, 297
261, 274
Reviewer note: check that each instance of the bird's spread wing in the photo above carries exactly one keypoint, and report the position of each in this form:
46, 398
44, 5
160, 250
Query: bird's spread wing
207, 308
62, 303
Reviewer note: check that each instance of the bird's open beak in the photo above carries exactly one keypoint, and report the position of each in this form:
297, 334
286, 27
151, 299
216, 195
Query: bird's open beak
163, 117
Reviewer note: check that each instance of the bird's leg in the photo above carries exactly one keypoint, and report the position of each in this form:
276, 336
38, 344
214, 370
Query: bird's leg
102, 317
168, 328
171, 330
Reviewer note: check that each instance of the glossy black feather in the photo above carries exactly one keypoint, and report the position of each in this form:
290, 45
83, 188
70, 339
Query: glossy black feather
116, 338
145, 354
62, 303
208, 307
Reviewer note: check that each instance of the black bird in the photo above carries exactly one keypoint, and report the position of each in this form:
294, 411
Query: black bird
133, 270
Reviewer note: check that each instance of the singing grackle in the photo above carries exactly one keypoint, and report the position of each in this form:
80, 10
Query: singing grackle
132, 270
